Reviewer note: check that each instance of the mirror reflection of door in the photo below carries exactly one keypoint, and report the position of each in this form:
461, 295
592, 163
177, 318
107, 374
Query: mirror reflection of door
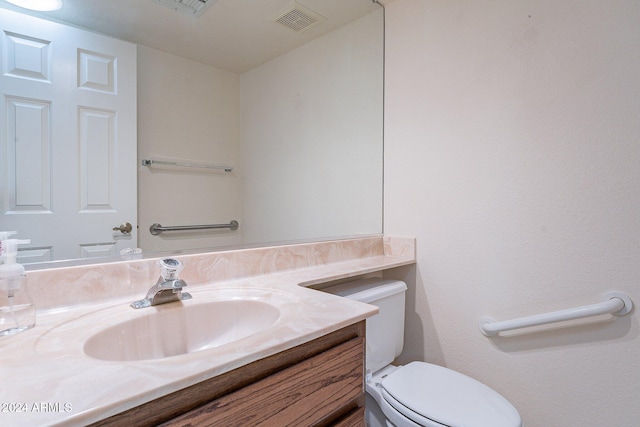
67, 140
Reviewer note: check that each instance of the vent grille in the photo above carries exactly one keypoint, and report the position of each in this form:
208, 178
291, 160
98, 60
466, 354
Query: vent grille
193, 8
297, 18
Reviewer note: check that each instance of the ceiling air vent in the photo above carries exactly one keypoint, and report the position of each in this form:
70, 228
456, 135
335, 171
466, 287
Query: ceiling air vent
297, 17
193, 8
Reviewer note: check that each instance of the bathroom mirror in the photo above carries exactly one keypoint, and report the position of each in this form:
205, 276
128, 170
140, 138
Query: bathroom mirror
288, 94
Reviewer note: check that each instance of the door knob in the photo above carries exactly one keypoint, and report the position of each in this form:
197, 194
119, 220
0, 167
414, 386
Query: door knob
124, 228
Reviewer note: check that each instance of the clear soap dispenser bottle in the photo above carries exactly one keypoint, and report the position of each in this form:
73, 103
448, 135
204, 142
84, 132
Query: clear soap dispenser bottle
17, 312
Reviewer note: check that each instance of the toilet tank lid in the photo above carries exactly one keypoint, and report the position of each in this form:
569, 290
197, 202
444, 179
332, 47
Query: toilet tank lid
368, 290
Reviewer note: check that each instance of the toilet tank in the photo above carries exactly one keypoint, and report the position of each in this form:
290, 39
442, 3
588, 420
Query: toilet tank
385, 330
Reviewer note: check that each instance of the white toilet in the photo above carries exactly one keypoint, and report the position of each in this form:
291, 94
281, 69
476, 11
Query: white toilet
419, 393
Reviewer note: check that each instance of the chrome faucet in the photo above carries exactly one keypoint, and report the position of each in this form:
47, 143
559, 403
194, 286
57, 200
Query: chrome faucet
168, 288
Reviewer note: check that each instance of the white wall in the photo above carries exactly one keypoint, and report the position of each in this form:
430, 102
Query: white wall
311, 138
512, 154
187, 110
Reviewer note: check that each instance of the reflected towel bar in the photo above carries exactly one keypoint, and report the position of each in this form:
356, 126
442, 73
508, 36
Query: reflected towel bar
186, 164
616, 303
156, 228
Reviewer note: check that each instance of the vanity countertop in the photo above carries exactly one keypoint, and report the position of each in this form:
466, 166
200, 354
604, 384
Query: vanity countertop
49, 380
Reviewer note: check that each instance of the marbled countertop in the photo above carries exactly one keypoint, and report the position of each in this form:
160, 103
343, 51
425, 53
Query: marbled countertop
47, 379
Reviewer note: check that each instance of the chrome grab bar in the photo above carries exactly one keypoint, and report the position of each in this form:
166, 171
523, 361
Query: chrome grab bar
616, 303
156, 228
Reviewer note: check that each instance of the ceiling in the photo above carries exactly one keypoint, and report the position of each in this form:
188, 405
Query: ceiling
234, 35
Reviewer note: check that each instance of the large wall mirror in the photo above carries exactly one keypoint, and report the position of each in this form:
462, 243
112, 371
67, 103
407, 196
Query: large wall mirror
190, 112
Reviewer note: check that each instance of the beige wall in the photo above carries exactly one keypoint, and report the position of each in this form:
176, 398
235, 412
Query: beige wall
187, 110
512, 153
303, 132
311, 131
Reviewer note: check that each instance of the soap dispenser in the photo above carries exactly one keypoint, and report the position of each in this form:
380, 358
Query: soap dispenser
17, 312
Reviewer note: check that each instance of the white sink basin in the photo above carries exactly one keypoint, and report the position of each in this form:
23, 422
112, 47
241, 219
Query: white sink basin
174, 329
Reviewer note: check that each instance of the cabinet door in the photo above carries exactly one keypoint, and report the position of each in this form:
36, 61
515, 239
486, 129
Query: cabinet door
353, 419
306, 394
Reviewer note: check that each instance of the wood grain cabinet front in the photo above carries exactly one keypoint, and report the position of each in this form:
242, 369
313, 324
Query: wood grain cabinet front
320, 383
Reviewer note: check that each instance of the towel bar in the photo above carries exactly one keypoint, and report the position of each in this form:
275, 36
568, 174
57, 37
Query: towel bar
186, 164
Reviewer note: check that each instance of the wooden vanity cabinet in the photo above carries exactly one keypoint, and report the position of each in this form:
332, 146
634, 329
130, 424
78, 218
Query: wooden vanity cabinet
320, 383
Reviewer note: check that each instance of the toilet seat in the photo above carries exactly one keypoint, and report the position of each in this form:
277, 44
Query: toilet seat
427, 394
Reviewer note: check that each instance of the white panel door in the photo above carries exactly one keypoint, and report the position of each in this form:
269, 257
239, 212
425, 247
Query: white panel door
67, 139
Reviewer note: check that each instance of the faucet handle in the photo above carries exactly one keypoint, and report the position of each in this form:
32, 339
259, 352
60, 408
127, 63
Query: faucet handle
170, 268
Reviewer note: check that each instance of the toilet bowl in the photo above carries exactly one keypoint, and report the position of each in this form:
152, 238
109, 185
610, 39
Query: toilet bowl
418, 394
427, 395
